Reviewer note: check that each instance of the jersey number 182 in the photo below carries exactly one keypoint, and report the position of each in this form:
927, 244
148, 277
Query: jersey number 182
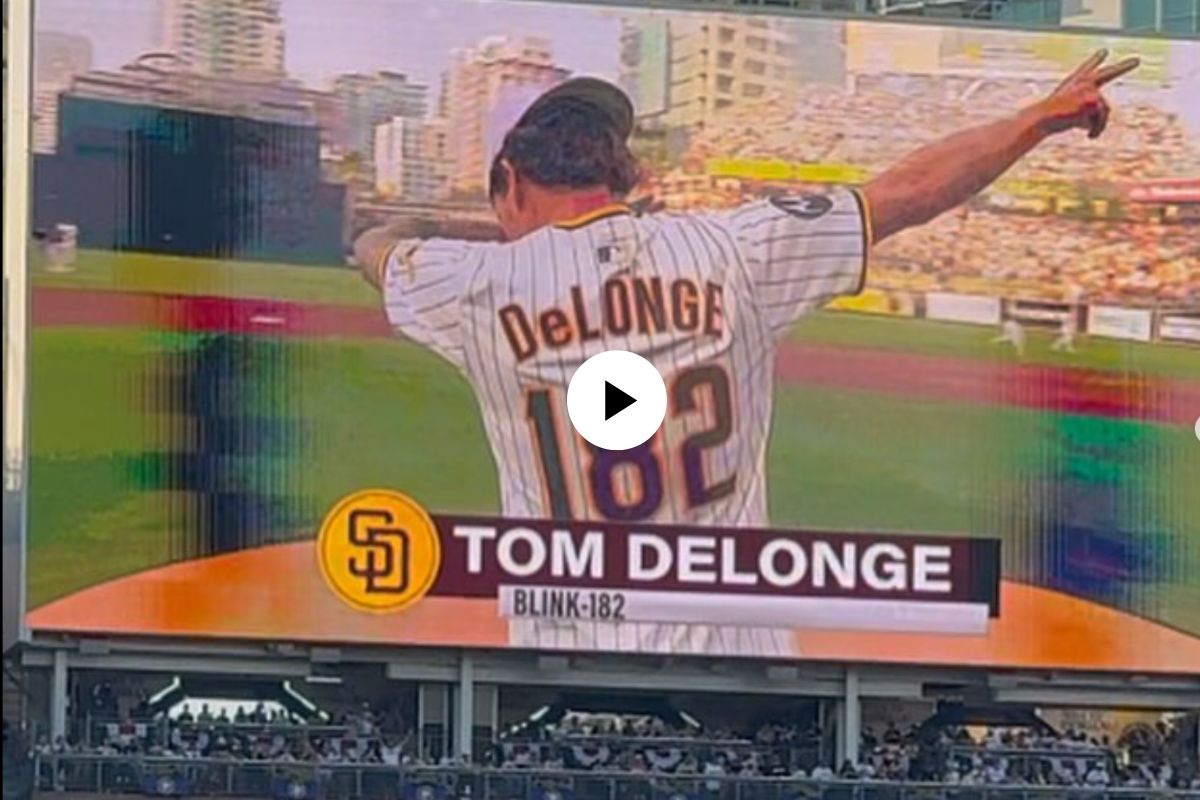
687, 395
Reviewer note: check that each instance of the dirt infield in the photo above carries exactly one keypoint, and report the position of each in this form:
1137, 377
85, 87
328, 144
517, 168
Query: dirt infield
966, 380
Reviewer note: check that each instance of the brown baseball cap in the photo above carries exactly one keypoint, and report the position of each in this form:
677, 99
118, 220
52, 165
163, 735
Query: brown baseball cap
604, 96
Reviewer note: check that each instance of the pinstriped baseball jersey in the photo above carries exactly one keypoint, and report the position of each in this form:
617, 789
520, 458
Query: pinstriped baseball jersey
704, 297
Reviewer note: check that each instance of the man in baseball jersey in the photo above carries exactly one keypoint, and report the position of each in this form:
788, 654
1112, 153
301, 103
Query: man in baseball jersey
704, 296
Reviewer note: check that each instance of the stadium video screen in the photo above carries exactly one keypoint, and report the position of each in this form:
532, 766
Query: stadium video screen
670, 420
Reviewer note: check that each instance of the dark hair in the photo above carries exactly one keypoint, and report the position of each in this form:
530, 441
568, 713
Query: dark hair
567, 144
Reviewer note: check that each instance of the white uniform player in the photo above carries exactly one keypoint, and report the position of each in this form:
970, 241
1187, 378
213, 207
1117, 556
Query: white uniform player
1066, 333
1069, 327
704, 297
1011, 332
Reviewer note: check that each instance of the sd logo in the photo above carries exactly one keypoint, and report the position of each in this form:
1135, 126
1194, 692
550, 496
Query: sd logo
378, 550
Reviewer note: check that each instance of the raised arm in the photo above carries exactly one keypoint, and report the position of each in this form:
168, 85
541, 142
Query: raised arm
372, 247
942, 175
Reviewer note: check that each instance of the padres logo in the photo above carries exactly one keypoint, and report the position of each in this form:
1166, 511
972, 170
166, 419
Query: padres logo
379, 550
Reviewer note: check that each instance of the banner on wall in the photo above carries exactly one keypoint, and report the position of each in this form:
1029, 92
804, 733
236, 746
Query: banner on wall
876, 301
1179, 328
1114, 322
1038, 312
949, 307
1182, 191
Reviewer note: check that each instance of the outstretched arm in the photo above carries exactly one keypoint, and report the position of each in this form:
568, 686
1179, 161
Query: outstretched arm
942, 175
372, 247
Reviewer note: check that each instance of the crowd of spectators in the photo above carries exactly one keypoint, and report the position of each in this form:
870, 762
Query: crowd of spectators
1158, 757
1127, 257
646, 744
1025, 757
361, 736
1044, 257
993, 756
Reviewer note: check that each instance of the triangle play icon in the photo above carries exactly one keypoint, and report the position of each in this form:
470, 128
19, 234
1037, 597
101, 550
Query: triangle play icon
615, 401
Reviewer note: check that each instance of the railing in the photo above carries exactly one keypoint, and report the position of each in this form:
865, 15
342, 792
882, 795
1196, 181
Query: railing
804, 753
305, 781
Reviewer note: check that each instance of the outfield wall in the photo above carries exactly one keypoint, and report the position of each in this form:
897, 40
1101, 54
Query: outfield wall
1177, 326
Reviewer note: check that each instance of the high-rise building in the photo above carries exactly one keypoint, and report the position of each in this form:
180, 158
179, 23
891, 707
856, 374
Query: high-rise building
370, 100
481, 82
224, 37
646, 64
412, 159
1093, 13
719, 64
57, 59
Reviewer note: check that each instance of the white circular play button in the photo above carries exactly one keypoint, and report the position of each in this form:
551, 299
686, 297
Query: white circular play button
616, 400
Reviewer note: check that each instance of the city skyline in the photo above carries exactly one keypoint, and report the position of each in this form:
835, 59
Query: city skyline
321, 46
380, 36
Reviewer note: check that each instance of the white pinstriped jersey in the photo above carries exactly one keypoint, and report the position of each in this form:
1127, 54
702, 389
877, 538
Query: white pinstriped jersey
704, 297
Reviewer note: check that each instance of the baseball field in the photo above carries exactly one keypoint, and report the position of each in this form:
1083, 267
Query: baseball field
880, 423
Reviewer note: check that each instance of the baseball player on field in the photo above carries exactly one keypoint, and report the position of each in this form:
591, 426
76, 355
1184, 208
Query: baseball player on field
1012, 332
704, 296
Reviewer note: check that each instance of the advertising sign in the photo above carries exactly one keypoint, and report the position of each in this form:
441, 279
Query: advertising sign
962, 308
310, 396
873, 301
1179, 328
1121, 323
1039, 312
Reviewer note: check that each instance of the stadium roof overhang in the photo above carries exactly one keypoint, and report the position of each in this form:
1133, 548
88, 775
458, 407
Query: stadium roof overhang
628, 673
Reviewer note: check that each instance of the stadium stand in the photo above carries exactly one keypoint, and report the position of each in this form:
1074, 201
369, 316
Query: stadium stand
590, 755
1105, 248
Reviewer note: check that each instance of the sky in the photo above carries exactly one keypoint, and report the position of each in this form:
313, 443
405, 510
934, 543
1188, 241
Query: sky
411, 36
329, 37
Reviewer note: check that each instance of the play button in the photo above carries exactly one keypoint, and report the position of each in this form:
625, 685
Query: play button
616, 400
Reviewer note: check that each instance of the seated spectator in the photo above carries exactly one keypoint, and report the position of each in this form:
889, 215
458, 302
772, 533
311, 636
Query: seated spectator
823, 772
714, 769
127, 734
995, 772
1097, 775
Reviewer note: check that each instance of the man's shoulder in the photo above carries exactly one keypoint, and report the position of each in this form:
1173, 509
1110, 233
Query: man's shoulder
440, 248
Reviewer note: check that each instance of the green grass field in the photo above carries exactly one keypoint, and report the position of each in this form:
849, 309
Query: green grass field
145, 272
162, 274
386, 413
